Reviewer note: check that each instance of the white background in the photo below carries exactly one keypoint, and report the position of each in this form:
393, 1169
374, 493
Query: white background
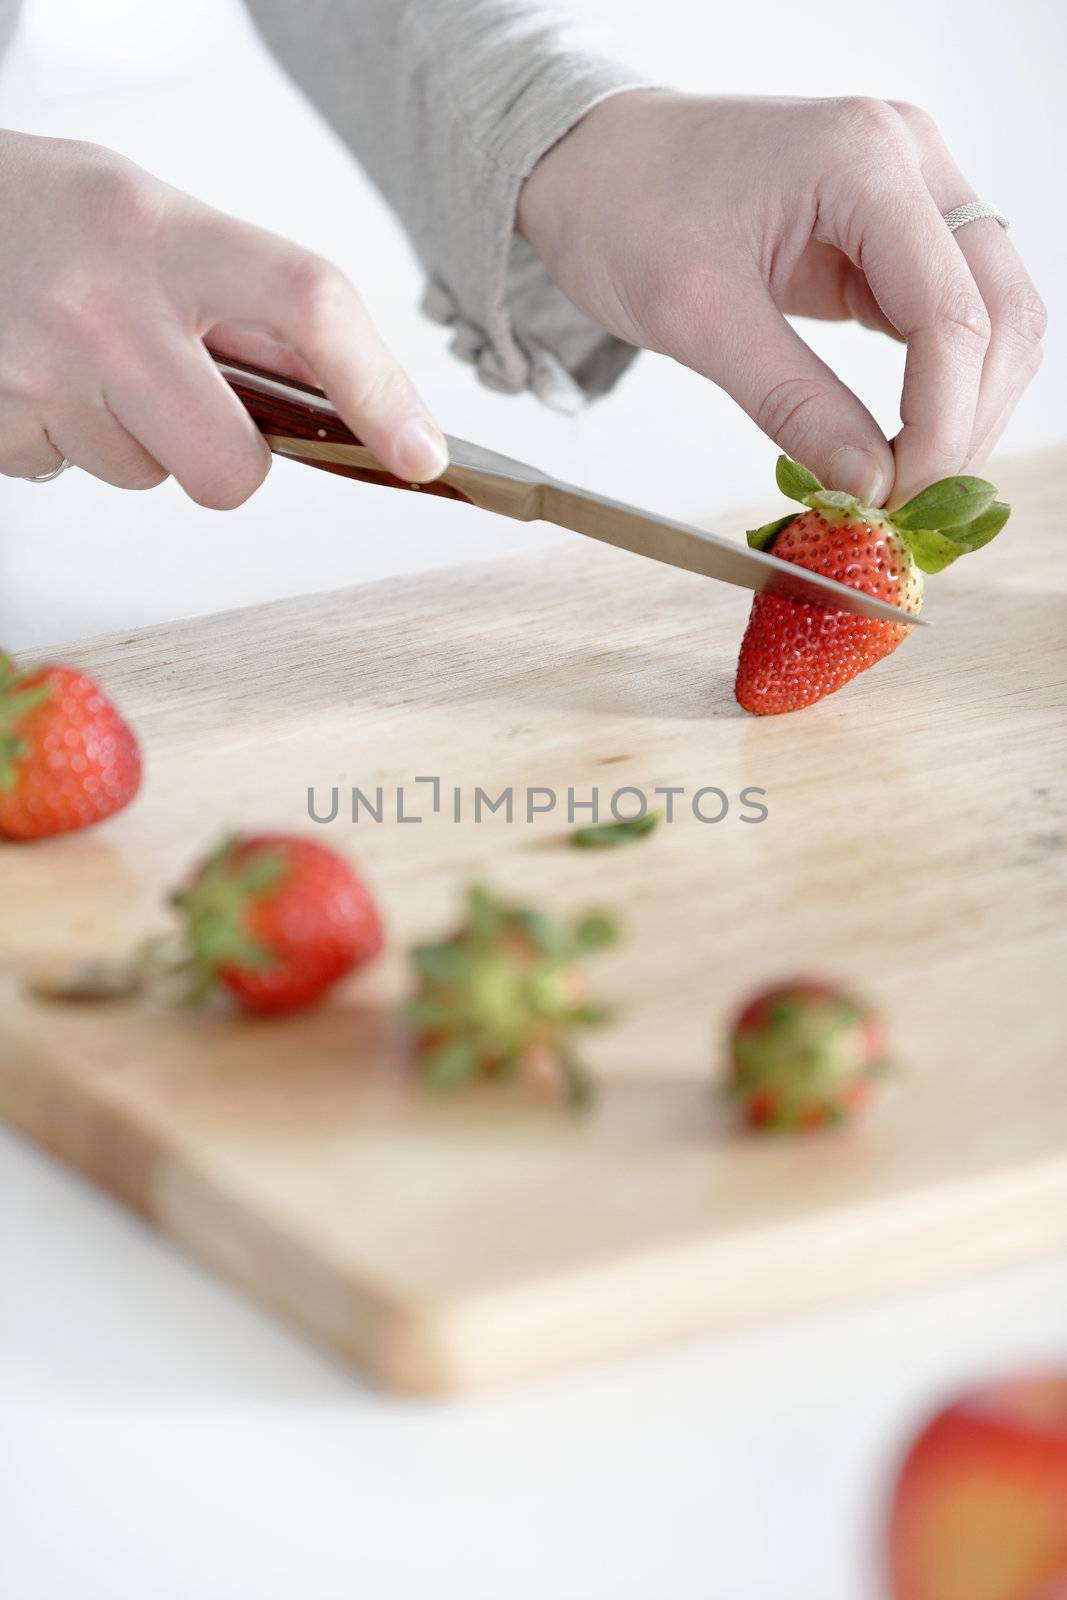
184, 87
159, 1440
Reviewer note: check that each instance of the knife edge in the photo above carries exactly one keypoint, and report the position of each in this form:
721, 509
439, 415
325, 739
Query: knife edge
679, 544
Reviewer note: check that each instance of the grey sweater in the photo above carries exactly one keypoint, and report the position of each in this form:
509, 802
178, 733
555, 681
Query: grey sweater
448, 104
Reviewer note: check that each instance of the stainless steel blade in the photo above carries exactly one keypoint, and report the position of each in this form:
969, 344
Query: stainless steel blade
515, 489
492, 479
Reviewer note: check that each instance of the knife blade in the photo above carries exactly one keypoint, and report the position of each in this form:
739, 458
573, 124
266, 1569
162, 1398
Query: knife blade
299, 422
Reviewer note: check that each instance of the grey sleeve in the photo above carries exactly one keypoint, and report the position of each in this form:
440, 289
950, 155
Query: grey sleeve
448, 105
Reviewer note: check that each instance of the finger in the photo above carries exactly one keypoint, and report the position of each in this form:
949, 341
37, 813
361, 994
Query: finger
826, 285
1018, 318
245, 274
94, 439
185, 415
897, 237
1017, 315
25, 448
793, 396
261, 349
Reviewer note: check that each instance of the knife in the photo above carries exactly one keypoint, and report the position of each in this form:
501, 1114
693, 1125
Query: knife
299, 422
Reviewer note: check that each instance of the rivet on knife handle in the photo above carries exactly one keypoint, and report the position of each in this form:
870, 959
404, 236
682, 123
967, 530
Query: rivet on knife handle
298, 421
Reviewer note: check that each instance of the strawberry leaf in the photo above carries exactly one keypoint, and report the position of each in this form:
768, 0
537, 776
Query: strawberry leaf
426, 1013
549, 936
263, 873
442, 963
485, 914
948, 504
609, 835
763, 538
795, 481
589, 1016
595, 933
984, 527
935, 549
450, 1065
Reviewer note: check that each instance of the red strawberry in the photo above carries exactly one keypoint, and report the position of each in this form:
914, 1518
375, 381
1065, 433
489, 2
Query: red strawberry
67, 759
803, 1055
278, 920
980, 1509
503, 995
796, 651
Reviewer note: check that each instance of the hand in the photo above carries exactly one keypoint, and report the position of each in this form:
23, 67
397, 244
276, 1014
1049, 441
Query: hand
112, 286
690, 225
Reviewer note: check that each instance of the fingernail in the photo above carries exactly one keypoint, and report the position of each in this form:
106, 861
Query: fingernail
421, 450
856, 472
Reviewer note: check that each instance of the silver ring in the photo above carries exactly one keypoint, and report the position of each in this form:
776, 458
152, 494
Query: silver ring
973, 211
46, 477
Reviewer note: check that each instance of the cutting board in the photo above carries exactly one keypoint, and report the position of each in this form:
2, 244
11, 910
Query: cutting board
915, 845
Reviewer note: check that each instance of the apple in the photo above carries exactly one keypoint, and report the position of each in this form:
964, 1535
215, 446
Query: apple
980, 1506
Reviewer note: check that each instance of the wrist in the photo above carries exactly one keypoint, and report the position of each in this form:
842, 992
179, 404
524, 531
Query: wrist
569, 176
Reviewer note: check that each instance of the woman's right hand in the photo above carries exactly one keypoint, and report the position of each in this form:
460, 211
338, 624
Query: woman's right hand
113, 286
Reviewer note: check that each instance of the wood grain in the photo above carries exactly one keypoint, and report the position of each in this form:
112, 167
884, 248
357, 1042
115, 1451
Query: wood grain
916, 846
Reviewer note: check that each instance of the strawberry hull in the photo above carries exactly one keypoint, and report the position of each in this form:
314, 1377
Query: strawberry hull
804, 1055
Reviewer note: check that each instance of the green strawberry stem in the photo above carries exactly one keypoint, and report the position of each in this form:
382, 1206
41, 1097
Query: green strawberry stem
941, 523
215, 910
16, 703
576, 1080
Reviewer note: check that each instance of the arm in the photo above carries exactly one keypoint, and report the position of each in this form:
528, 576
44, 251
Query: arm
112, 285
563, 224
449, 105
694, 224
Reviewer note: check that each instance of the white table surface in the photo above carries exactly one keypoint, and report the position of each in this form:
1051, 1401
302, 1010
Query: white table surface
159, 1438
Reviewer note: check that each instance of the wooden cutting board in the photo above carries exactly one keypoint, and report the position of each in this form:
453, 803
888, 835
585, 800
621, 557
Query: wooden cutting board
915, 845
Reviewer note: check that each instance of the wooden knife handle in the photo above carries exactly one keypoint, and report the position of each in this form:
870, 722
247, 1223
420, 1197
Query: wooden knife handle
289, 416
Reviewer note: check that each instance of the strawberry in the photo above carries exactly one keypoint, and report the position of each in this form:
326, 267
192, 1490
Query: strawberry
980, 1507
804, 1054
277, 920
796, 651
502, 995
67, 759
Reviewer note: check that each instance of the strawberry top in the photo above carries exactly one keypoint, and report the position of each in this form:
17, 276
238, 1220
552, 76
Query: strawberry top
278, 920
804, 1054
936, 527
503, 988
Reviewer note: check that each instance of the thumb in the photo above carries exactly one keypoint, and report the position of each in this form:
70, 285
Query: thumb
791, 394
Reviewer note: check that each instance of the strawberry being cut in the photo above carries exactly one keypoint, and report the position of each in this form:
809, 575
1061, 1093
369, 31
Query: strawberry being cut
503, 995
796, 651
277, 920
67, 758
980, 1508
804, 1054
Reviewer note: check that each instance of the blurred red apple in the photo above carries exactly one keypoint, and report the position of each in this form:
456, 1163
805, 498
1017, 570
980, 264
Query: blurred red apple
980, 1508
